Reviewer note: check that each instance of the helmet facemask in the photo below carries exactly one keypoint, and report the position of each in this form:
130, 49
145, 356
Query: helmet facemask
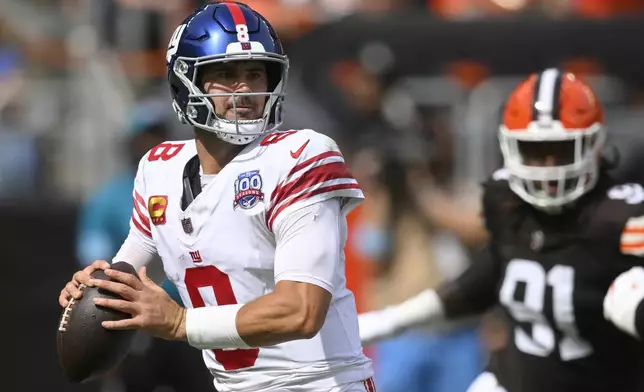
552, 167
200, 111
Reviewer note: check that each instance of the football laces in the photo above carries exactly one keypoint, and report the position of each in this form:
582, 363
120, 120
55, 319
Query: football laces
62, 327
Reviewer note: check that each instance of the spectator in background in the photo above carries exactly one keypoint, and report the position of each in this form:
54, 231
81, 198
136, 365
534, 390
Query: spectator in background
104, 224
139, 31
294, 18
18, 150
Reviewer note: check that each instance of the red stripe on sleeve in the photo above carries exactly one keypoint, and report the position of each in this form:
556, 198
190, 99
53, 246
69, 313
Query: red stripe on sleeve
278, 190
271, 215
141, 228
312, 160
317, 175
144, 219
139, 199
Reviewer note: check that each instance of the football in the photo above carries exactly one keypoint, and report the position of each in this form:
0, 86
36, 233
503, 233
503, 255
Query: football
86, 350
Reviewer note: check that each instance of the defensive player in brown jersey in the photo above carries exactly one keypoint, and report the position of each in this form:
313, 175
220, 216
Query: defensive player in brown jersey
561, 230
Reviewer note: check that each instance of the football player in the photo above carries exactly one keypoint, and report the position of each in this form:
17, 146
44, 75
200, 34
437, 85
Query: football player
561, 229
248, 221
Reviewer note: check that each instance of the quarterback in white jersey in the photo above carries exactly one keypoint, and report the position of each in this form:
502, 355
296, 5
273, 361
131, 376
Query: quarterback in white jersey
248, 222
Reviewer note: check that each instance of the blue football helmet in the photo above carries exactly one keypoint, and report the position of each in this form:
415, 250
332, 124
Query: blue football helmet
223, 32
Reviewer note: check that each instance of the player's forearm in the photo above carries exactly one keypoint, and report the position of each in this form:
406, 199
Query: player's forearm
449, 302
423, 308
430, 306
470, 294
275, 318
293, 311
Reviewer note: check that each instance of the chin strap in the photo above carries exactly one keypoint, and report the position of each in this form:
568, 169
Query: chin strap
235, 139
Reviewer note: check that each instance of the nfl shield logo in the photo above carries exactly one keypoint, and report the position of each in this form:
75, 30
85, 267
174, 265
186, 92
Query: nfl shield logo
186, 223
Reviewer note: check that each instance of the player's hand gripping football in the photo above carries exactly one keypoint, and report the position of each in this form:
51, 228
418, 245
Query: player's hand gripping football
74, 288
151, 307
623, 298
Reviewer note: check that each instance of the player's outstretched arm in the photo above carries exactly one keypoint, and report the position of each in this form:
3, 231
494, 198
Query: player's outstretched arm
624, 302
471, 293
423, 308
307, 269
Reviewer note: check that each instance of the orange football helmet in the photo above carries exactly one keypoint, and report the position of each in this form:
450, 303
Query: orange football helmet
552, 133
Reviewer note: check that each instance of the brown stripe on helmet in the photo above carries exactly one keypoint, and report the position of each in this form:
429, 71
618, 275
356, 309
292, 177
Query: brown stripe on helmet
535, 98
556, 99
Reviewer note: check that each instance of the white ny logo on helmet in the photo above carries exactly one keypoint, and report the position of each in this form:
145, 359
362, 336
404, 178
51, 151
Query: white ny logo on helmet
174, 43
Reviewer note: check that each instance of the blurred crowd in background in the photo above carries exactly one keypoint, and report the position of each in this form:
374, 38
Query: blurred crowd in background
83, 96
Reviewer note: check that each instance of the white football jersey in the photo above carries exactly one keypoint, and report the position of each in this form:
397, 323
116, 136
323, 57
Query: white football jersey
220, 250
